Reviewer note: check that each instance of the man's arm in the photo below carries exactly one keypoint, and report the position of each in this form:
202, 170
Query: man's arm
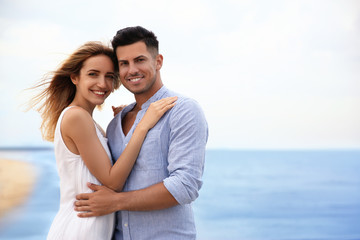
186, 156
186, 162
105, 201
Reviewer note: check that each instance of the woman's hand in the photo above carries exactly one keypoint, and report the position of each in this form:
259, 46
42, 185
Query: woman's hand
155, 111
118, 109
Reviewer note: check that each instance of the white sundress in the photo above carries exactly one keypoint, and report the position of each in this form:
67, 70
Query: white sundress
74, 175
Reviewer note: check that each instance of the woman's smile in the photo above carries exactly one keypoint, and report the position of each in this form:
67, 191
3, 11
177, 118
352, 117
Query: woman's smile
99, 93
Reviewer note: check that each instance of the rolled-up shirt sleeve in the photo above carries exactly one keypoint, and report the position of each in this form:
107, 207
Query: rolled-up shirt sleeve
186, 157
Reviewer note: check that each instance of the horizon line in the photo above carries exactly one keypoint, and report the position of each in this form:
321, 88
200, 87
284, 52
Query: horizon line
45, 148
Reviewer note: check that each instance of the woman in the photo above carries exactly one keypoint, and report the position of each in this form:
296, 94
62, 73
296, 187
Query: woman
81, 83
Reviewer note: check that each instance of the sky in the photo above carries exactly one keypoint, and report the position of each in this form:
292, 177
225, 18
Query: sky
268, 74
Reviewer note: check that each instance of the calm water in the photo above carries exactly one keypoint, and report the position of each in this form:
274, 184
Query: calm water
250, 195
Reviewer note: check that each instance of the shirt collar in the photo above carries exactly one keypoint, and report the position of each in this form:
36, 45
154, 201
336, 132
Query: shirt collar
157, 96
127, 109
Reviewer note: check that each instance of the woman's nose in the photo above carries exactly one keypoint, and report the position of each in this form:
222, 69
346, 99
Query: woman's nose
102, 82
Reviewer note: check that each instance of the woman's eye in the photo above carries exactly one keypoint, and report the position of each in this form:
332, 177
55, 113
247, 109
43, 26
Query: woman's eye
92, 74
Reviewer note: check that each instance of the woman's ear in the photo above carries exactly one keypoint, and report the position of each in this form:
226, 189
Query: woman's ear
74, 78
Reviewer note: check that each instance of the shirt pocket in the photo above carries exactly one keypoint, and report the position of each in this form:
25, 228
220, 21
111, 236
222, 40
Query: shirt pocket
150, 154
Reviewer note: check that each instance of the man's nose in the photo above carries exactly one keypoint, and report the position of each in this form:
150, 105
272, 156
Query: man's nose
133, 69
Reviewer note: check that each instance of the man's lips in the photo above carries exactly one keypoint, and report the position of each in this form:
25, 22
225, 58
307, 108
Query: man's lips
135, 79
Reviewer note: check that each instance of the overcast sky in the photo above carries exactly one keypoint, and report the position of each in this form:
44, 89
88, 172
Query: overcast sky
268, 74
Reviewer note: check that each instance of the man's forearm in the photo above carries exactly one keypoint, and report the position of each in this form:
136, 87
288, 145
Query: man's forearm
155, 197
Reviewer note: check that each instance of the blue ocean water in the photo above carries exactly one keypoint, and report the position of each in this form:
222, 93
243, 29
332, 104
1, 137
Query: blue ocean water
247, 195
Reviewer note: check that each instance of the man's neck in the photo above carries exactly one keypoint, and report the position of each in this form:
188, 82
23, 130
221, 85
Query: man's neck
144, 97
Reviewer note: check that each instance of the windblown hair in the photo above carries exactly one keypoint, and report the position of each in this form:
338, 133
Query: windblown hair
130, 35
58, 91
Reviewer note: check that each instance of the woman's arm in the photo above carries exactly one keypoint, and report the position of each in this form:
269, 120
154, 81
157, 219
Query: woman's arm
78, 128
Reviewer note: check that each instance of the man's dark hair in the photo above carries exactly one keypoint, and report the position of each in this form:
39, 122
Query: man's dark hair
130, 35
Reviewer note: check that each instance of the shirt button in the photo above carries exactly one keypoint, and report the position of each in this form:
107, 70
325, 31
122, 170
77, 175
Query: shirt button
125, 224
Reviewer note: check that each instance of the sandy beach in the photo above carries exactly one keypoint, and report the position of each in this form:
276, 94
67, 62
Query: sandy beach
17, 179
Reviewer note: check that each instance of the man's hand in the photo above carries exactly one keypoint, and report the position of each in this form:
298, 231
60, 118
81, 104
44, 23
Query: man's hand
105, 201
101, 202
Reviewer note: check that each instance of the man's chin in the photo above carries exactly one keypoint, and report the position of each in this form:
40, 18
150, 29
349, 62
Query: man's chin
136, 91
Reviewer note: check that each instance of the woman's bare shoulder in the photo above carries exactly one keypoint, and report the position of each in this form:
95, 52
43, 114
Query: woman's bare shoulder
76, 117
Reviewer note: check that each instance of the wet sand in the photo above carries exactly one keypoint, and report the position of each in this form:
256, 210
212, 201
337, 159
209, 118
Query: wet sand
17, 179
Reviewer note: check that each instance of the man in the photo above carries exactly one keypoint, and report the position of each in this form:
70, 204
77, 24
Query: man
156, 200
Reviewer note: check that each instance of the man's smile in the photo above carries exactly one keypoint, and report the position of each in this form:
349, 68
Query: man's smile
135, 79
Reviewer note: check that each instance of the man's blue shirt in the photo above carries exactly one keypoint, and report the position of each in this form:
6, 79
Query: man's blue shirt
173, 153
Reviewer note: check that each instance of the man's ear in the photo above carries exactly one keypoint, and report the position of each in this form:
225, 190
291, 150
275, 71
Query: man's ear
159, 61
74, 78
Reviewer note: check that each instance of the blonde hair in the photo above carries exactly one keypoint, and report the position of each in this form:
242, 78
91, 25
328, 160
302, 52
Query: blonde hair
58, 91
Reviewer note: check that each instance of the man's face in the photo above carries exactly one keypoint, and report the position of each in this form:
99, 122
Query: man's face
139, 69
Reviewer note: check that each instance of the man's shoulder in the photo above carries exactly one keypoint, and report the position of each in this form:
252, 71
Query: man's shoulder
185, 108
113, 124
117, 119
182, 100
187, 115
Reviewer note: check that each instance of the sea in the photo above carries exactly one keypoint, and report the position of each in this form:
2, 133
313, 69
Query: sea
246, 195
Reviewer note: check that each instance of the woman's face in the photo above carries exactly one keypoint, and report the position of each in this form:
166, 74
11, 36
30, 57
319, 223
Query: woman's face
95, 82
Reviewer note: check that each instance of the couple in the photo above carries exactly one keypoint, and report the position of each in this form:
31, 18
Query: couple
157, 145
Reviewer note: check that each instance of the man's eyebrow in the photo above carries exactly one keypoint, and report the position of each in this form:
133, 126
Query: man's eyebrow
140, 56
